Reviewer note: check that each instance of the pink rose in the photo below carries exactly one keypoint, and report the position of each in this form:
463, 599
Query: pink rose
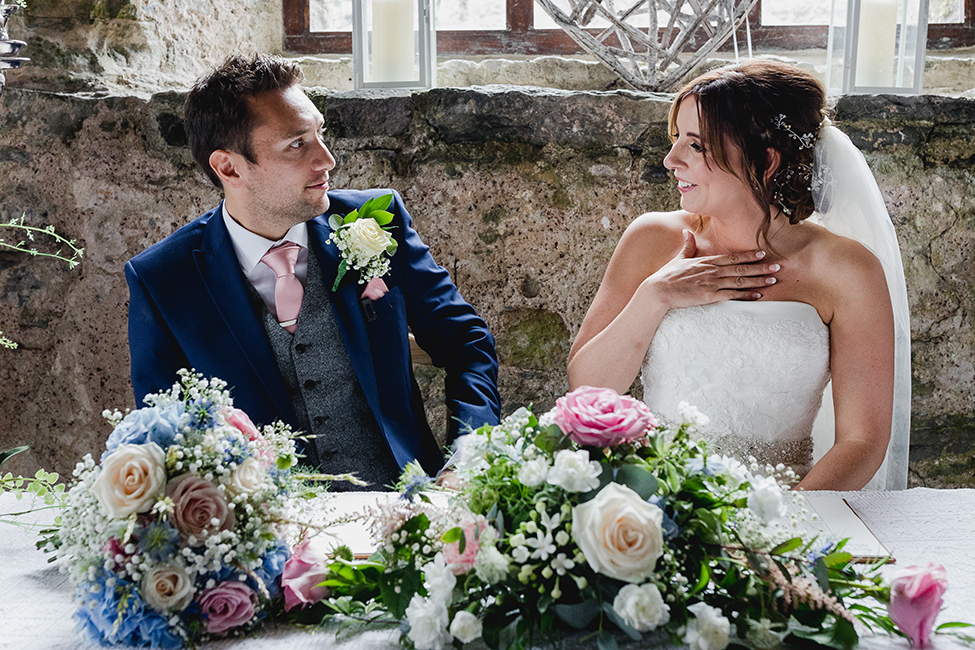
240, 420
915, 599
199, 507
226, 606
601, 417
460, 563
303, 573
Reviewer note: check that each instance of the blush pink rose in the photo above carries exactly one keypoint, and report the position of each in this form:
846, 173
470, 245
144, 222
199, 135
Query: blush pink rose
460, 563
226, 606
915, 600
199, 507
601, 417
243, 423
303, 573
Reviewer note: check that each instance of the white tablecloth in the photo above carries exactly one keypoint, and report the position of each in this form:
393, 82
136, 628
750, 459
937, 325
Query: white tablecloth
917, 526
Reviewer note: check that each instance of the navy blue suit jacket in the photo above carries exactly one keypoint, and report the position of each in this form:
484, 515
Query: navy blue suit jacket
189, 308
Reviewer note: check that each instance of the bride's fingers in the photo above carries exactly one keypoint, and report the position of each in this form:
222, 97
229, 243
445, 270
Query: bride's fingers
736, 259
750, 270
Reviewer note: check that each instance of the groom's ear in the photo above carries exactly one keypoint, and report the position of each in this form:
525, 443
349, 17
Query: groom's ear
773, 157
227, 165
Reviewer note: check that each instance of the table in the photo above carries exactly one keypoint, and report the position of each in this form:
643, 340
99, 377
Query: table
917, 526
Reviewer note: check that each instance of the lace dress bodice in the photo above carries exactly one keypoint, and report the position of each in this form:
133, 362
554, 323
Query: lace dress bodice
756, 369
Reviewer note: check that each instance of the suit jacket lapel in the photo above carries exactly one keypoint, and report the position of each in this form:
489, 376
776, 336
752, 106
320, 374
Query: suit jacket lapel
221, 274
347, 313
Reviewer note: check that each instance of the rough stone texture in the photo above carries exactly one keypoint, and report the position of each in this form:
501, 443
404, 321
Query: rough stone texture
522, 194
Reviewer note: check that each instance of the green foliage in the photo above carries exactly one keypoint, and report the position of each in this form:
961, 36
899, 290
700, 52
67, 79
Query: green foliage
42, 487
72, 256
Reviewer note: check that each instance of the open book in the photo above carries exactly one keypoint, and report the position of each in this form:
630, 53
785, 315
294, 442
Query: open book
838, 521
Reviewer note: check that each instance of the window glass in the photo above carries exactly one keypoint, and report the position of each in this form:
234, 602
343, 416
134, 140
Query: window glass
336, 15
471, 14
946, 11
796, 12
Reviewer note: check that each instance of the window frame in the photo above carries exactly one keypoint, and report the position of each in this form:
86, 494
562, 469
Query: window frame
521, 37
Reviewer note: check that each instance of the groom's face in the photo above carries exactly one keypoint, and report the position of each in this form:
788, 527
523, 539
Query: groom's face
288, 181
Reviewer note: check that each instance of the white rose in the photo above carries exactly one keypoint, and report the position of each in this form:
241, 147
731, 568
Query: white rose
619, 533
735, 471
248, 477
574, 472
709, 630
533, 472
439, 580
167, 588
765, 499
642, 607
368, 238
131, 479
465, 627
428, 621
491, 565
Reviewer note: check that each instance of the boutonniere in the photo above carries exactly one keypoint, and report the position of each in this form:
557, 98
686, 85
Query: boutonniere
364, 240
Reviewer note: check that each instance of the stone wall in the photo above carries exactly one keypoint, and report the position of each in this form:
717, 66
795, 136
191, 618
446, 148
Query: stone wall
521, 193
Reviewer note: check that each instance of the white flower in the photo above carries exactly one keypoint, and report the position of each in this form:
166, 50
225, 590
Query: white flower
491, 565
428, 619
709, 630
561, 564
248, 477
465, 627
765, 499
131, 479
167, 588
619, 533
367, 238
690, 416
439, 580
574, 472
533, 472
642, 607
543, 544
735, 471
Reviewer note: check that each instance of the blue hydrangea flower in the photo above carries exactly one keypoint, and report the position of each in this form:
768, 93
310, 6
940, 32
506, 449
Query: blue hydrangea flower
150, 424
668, 526
159, 540
272, 567
114, 613
696, 466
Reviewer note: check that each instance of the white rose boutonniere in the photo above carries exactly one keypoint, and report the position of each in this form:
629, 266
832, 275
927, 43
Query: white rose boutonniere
362, 239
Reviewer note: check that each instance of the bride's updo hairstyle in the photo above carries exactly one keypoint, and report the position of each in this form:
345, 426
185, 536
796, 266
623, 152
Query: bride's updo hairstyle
754, 106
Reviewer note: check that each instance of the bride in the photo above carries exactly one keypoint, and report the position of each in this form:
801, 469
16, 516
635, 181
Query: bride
743, 306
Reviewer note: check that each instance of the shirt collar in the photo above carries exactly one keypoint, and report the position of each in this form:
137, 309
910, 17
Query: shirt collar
250, 247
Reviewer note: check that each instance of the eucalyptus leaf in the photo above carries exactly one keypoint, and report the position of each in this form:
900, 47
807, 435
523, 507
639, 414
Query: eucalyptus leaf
579, 615
638, 479
335, 222
393, 245
606, 641
620, 623
551, 439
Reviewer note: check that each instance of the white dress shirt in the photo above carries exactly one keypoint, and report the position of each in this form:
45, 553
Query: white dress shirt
251, 247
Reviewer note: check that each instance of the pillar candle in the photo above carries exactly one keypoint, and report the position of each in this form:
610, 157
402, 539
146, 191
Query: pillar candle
393, 41
877, 42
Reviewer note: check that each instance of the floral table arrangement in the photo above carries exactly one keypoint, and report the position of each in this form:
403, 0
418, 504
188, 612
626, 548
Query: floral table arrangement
597, 519
178, 534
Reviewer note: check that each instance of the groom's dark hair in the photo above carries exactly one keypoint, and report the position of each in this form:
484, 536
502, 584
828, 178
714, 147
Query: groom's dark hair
217, 115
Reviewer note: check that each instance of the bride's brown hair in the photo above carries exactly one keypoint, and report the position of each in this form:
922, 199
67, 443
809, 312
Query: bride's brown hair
755, 106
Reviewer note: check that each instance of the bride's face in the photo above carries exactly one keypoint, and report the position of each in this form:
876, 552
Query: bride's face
704, 187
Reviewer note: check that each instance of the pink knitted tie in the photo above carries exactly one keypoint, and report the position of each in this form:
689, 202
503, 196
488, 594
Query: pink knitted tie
288, 291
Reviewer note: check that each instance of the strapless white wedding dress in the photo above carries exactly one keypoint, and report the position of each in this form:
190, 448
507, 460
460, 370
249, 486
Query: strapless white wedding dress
756, 369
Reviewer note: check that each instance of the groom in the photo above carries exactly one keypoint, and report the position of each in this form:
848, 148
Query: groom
244, 292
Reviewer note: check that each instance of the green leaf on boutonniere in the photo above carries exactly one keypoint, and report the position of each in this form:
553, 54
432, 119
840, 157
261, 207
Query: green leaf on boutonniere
352, 216
376, 204
335, 222
382, 217
392, 247
339, 274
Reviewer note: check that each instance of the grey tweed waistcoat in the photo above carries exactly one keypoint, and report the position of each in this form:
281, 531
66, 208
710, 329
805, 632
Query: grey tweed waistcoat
325, 392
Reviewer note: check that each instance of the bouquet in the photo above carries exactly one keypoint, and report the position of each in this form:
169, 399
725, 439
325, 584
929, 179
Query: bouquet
178, 533
364, 240
596, 517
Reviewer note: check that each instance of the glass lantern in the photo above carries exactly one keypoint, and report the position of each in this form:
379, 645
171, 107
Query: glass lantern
394, 44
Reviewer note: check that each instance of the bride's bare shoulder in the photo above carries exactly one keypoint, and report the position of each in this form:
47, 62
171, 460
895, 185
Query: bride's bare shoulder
656, 229
843, 264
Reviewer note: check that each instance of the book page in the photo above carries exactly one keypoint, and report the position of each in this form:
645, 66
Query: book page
838, 521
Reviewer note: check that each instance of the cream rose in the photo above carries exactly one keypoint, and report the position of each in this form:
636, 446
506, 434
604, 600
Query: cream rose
642, 607
619, 533
131, 478
248, 477
368, 238
167, 588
